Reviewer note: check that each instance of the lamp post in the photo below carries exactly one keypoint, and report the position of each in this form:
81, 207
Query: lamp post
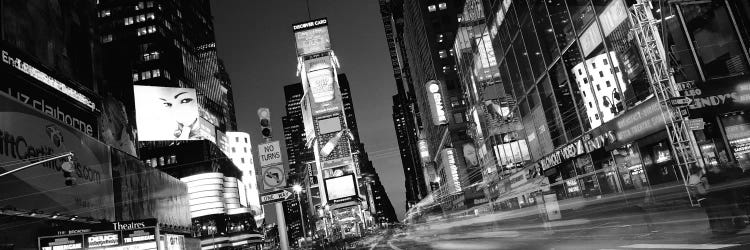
297, 190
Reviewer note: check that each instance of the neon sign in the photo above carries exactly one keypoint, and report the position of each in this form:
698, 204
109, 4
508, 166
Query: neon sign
37, 74
436, 103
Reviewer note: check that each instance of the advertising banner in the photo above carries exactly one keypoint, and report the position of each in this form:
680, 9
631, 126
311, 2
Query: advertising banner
341, 189
721, 96
145, 192
140, 234
47, 101
437, 105
117, 129
165, 114
27, 135
312, 36
72, 242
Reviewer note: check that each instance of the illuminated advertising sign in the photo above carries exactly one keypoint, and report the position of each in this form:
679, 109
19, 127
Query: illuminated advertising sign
312, 36
49, 102
334, 142
23, 67
449, 163
72, 242
424, 151
437, 106
321, 85
341, 189
102, 240
165, 114
27, 134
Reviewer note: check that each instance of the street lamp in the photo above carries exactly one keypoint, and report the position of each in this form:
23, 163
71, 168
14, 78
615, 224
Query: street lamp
297, 190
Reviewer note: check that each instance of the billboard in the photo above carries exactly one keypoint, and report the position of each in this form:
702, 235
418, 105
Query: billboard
31, 88
164, 113
117, 129
145, 192
312, 36
437, 106
321, 85
28, 135
341, 189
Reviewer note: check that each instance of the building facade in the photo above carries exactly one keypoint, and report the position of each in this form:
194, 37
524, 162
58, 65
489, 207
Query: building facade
241, 153
405, 111
560, 99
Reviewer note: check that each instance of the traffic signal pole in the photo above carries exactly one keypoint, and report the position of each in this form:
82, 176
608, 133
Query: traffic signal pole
264, 115
68, 154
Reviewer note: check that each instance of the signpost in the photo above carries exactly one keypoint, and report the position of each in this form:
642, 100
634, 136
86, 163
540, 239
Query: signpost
275, 196
680, 101
269, 153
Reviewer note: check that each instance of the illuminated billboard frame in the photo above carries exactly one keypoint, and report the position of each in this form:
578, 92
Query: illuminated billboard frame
341, 189
437, 105
167, 114
312, 36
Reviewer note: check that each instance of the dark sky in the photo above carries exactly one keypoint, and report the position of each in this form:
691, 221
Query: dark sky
255, 40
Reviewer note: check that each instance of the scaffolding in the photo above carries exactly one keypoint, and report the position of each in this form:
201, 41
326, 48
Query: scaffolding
645, 29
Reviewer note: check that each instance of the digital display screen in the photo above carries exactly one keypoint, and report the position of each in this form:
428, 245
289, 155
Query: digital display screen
312, 40
164, 114
329, 125
340, 187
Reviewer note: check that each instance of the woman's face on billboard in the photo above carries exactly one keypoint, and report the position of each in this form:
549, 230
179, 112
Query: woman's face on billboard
181, 104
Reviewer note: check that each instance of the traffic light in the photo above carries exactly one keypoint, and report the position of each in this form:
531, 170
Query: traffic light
265, 122
68, 168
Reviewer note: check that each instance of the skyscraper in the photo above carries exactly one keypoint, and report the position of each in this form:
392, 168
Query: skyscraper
169, 48
405, 110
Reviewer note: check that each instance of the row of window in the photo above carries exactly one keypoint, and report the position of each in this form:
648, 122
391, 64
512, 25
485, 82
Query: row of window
139, 6
161, 161
441, 6
148, 74
139, 18
146, 30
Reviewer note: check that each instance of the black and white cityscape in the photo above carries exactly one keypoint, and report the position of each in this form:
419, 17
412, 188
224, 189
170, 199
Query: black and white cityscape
478, 124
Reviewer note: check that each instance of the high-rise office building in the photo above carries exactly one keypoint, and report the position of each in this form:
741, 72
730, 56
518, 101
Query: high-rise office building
405, 110
241, 153
448, 156
166, 52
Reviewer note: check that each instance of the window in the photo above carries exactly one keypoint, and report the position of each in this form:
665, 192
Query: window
598, 87
442, 6
161, 161
442, 54
105, 13
107, 38
142, 31
593, 65
166, 74
242, 159
156, 73
139, 6
601, 74
135, 77
234, 150
128, 21
245, 150
173, 158
146, 75
605, 61
237, 139
151, 29
140, 18
431, 8
245, 140
149, 4
150, 16
609, 84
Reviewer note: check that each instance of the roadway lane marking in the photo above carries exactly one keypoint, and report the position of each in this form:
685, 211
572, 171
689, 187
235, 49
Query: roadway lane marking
394, 247
681, 246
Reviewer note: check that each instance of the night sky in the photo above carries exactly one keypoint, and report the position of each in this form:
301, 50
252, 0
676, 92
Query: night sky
255, 40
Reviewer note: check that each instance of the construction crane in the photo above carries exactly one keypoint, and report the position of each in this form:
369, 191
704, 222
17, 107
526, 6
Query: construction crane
645, 29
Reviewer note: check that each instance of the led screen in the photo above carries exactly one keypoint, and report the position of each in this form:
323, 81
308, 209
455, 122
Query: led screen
329, 125
321, 84
164, 113
312, 40
340, 187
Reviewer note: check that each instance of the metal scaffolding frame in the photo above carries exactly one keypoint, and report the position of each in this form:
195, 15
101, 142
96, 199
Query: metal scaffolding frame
645, 29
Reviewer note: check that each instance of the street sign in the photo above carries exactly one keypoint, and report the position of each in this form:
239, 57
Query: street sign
695, 124
273, 177
269, 153
680, 101
274, 196
691, 92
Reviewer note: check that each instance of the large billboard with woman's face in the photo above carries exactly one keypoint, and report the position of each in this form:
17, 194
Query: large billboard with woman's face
165, 114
